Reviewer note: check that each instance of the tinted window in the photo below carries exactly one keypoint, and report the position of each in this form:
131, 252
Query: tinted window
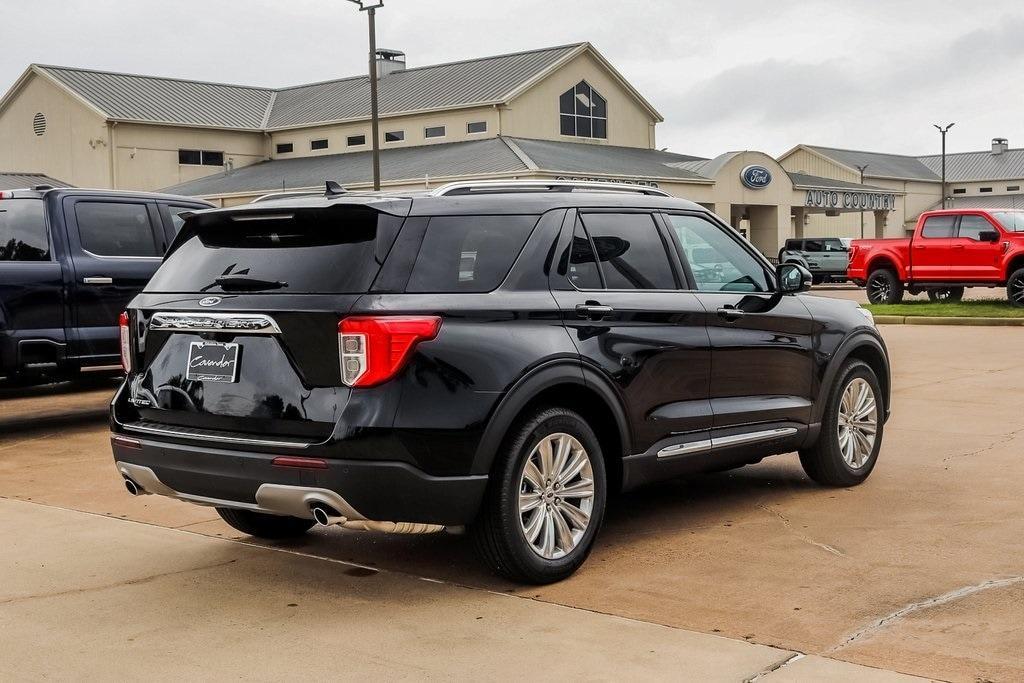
318, 144
354, 140
578, 263
108, 229
176, 220
476, 127
1011, 220
468, 253
189, 156
834, 245
433, 132
814, 245
213, 158
938, 226
794, 245
284, 148
313, 251
23, 230
630, 250
971, 227
394, 136
718, 262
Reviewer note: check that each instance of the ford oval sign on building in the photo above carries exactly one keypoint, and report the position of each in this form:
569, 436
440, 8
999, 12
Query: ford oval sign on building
756, 177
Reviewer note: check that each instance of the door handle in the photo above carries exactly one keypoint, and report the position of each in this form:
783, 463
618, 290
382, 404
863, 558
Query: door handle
730, 312
593, 311
98, 280
958, 246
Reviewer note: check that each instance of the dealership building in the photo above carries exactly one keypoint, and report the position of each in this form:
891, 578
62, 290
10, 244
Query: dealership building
560, 112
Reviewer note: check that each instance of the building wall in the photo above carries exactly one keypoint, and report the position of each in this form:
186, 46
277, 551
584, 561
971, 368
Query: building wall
455, 123
146, 156
534, 114
64, 151
805, 161
998, 187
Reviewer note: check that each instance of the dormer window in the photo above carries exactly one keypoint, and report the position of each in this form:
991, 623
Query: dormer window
583, 113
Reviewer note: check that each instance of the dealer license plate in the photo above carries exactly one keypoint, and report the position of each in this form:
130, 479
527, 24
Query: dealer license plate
212, 362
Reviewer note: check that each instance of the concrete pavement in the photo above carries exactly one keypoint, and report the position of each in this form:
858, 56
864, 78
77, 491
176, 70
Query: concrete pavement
86, 597
917, 570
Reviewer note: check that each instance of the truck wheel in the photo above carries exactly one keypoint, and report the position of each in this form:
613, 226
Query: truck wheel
265, 526
851, 429
1015, 287
884, 287
545, 501
947, 294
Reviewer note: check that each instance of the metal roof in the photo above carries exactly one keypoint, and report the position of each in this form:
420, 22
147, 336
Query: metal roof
489, 156
968, 166
805, 180
152, 99
998, 201
443, 86
24, 181
878, 164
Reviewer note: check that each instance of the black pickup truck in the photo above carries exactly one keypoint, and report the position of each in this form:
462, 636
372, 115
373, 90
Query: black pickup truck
70, 261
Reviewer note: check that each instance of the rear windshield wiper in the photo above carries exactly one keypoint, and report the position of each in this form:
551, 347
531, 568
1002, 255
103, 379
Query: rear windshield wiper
246, 282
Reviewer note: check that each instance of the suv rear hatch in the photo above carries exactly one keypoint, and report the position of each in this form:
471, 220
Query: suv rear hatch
237, 333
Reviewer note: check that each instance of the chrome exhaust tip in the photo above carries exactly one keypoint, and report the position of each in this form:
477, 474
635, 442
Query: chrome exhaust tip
132, 487
325, 515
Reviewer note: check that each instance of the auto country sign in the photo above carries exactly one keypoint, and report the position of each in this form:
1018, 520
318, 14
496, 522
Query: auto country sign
858, 201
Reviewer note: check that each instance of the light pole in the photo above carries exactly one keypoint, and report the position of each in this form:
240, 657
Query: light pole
943, 132
861, 169
371, 12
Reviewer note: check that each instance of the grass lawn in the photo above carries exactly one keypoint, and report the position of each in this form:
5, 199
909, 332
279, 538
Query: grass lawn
962, 309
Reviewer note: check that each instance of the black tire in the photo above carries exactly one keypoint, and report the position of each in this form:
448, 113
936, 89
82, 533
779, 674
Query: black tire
884, 287
498, 531
817, 279
1015, 288
946, 294
824, 462
261, 525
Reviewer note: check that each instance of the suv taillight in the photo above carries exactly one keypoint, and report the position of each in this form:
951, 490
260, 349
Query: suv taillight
374, 348
126, 342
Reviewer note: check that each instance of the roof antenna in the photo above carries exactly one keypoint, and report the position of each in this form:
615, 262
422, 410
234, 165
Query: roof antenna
334, 189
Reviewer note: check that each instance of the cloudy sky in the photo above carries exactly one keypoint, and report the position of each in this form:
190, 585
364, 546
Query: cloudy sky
731, 74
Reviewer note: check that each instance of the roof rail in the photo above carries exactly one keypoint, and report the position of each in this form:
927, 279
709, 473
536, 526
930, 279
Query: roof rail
513, 186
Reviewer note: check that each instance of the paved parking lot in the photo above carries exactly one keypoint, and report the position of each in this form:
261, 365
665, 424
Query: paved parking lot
921, 570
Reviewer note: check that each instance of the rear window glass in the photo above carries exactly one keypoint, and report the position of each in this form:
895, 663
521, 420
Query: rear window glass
116, 229
1011, 220
468, 253
309, 251
938, 226
631, 251
23, 230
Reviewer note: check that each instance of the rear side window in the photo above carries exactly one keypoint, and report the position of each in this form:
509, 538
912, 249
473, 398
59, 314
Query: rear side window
468, 253
814, 245
630, 250
938, 226
578, 262
23, 230
116, 229
309, 251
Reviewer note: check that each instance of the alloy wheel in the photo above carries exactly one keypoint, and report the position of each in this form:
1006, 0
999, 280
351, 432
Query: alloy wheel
858, 422
556, 495
879, 289
1016, 290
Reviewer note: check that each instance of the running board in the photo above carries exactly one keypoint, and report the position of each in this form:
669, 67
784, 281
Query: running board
730, 441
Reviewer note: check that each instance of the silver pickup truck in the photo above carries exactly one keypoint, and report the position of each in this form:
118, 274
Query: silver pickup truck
826, 257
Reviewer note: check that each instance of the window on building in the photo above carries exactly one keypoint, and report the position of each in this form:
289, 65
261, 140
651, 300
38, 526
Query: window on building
394, 136
197, 157
1013, 188
434, 132
583, 112
23, 230
984, 189
355, 140
476, 127
284, 147
318, 144
213, 158
630, 251
959, 190
938, 226
116, 229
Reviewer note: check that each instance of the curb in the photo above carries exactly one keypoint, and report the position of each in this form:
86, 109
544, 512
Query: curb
947, 320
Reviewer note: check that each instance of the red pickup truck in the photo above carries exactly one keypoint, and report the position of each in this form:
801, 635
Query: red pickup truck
950, 249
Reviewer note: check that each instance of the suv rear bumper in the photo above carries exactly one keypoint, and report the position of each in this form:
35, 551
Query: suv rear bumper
372, 490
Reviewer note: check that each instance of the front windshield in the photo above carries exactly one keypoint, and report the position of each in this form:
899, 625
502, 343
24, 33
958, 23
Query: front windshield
1010, 220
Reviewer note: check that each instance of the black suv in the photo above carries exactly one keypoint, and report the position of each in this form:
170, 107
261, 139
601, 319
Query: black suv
502, 356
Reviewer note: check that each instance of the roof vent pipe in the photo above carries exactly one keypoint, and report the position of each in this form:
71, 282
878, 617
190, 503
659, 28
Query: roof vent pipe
999, 145
389, 61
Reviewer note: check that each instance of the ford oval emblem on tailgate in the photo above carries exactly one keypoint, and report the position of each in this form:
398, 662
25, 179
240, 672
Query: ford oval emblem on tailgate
209, 301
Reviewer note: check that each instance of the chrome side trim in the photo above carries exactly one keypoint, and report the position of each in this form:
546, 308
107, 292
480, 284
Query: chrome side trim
183, 434
716, 442
751, 437
686, 448
250, 323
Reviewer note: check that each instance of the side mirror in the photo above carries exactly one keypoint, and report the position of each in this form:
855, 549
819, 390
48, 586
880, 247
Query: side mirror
793, 278
988, 236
